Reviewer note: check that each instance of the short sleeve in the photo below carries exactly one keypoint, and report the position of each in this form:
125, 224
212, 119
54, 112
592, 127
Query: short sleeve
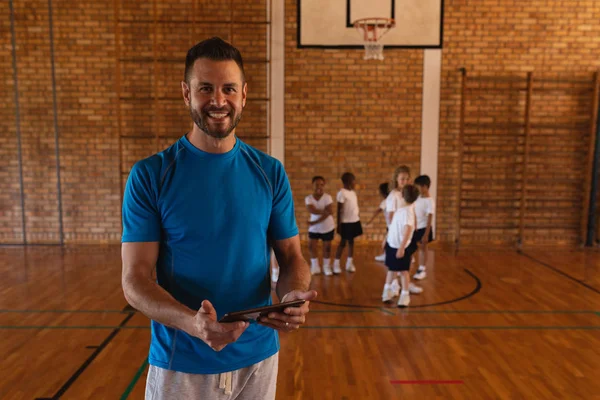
340, 197
410, 216
390, 203
141, 217
328, 200
307, 200
431, 209
282, 223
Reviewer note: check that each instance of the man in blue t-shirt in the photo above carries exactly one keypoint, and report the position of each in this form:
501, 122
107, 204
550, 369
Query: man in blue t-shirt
204, 214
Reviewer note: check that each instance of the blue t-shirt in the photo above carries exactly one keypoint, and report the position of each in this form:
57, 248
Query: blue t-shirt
213, 215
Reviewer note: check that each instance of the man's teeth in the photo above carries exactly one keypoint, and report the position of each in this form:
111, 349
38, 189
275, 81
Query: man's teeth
217, 115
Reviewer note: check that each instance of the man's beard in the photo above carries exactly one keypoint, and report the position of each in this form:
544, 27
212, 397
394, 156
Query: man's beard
200, 119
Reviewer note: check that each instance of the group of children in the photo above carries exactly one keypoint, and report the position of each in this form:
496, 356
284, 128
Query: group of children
408, 210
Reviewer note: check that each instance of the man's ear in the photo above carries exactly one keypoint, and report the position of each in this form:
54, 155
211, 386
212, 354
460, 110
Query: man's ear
185, 91
244, 94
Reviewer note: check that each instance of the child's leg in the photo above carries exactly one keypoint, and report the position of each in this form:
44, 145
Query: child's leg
274, 267
388, 293
327, 257
314, 257
350, 261
421, 273
405, 279
340, 249
338, 255
326, 250
312, 248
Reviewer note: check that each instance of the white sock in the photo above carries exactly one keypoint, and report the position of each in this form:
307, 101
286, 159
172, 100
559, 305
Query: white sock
326, 262
314, 262
421, 268
404, 292
387, 286
336, 262
349, 261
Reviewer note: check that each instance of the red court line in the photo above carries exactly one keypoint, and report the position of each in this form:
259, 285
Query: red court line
429, 382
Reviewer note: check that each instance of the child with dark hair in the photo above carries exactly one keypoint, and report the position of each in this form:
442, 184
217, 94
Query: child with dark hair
424, 210
348, 220
321, 225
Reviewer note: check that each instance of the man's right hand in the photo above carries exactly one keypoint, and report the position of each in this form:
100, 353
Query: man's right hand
215, 334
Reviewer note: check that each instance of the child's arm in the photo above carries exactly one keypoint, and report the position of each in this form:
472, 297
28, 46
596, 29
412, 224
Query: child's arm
339, 216
375, 214
408, 229
425, 239
314, 210
324, 215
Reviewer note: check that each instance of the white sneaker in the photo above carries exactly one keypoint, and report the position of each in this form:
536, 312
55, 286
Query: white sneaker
414, 289
380, 257
274, 275
315, 270
395, 288
327, 270
421, 274
336, 268
404, 299
387, 294
350, 267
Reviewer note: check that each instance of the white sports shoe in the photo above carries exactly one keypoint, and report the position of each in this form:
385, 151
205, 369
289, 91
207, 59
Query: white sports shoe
327, 270
350, 267
315, 270
380, 257
395, 288
421, 274
404, 299
336, 268
387, 294
414, 289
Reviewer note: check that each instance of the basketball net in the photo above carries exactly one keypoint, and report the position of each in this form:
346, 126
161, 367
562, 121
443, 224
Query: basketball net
372, 30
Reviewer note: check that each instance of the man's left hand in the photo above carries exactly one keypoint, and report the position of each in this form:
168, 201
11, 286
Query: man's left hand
292, 317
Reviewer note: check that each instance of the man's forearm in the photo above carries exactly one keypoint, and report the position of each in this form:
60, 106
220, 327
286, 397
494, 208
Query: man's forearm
293, 275
157, 304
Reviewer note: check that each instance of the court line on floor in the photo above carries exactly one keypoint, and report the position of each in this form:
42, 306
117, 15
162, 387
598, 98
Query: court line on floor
134, 380
468, 295
427, 382
90, 359
558, 271
407, 327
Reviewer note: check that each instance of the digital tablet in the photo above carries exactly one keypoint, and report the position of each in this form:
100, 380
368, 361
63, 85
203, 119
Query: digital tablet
253, 313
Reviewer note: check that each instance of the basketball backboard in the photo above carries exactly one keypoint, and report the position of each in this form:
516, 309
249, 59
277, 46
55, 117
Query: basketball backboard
328, 23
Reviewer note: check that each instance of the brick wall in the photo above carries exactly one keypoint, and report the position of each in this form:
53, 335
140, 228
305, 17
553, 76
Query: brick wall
559, 41
118, 99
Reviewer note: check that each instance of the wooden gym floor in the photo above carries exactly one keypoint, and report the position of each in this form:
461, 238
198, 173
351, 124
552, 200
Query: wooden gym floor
491, 324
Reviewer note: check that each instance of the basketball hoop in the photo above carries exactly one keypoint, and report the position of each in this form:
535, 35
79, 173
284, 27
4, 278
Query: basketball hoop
372, 30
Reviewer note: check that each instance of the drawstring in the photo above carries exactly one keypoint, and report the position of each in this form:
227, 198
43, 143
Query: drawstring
225, 382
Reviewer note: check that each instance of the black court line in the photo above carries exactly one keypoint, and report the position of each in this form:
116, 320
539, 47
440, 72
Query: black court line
472, 293
582, 283
91, 358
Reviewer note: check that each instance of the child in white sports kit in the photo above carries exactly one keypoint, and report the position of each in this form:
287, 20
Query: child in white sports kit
349, 226
400, 248
321, 225
394, 202
424, 210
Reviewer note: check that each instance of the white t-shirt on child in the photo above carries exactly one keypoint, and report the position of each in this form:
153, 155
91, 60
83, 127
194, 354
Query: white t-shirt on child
350, 210
394, 201
402, 217
327, 225
423, 207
